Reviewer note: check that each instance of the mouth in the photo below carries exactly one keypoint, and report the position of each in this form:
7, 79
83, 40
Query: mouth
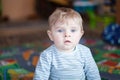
67, 41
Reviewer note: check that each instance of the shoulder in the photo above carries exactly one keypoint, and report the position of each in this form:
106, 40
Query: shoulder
82, 47
48, 51
84, 50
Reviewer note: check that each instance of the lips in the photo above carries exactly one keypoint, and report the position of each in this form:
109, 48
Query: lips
67, 41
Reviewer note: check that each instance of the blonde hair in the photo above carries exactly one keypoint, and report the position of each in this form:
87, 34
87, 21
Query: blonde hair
62, 14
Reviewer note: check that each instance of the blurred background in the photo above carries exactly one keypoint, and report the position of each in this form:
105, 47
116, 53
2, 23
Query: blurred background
23, 25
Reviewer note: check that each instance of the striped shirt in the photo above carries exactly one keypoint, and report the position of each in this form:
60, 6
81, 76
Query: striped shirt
55, 65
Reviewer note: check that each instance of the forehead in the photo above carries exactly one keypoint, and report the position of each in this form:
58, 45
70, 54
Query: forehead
68, 22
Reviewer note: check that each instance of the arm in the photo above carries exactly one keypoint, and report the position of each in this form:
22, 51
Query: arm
91, 69
42, 70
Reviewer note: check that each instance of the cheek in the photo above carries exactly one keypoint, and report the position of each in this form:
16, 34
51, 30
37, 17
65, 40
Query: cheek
77, 37
57, 41
81, 34
57, 38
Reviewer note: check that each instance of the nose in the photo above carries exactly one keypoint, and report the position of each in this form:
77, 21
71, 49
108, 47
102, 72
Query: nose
67, 35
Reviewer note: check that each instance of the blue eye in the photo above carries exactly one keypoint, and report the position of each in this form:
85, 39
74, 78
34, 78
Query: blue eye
60, 30
73, 30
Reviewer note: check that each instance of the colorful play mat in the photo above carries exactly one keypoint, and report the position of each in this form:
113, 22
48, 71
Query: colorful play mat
18, 62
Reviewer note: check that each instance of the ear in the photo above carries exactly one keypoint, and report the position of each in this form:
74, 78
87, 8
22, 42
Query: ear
50, 35
82, 33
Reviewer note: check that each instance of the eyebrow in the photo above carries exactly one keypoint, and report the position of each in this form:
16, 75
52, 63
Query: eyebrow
58, 27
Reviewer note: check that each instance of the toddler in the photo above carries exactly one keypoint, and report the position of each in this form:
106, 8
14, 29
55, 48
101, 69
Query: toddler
66, 59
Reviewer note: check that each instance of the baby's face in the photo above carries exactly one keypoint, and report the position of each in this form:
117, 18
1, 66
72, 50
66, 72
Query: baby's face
66, 35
